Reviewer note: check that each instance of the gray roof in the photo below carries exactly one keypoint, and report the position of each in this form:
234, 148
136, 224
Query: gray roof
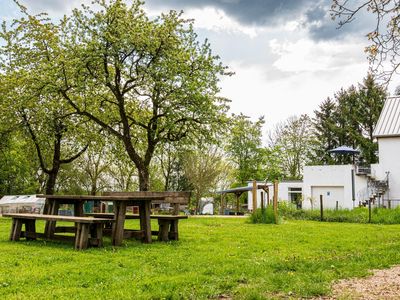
389, 121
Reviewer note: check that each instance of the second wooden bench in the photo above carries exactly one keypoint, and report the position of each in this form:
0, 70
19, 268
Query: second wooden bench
84, 227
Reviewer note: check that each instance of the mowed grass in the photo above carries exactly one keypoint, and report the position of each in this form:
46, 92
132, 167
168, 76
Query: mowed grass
215, 257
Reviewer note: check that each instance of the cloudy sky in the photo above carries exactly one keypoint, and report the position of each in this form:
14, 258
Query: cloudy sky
288, 56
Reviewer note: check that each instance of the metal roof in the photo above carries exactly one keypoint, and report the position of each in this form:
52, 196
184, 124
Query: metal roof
389, 121
241, 189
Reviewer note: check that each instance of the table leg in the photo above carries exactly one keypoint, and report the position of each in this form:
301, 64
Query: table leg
51, 225
118, 227
145, 224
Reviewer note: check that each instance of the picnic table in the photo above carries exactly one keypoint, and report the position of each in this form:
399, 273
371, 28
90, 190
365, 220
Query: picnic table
121, 201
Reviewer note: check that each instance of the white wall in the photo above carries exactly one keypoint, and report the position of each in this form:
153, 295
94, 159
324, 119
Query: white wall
283, 191
333, 182
389, 161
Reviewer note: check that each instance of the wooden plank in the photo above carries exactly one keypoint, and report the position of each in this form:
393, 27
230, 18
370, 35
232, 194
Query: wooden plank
129, 233
63, 229
57, 218
130, 216
56, 237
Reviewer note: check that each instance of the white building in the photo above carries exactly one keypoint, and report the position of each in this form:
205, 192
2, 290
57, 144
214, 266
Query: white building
288, 190
347, 186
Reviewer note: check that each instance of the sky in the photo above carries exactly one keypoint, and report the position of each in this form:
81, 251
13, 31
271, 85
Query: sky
288, 56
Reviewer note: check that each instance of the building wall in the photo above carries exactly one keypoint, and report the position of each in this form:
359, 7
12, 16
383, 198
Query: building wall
283, 192
335, 184
389, 152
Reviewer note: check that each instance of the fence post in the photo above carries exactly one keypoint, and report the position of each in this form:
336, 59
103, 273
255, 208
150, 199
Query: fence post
337, 205
321, 207
369, 211
276, 201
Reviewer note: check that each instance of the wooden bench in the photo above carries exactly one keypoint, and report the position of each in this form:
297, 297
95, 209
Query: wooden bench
167, 224
84, 226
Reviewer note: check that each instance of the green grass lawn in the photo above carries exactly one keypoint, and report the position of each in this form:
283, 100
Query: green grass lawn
214, 257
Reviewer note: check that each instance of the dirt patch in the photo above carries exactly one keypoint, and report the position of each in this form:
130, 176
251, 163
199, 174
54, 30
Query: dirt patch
383, 284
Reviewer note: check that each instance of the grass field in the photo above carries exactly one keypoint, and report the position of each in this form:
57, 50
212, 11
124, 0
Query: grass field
215, 257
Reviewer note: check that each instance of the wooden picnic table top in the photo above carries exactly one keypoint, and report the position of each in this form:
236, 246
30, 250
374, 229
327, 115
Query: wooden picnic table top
121, 196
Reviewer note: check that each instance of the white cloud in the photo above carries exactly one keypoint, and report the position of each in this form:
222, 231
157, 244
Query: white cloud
306, 55
254, 91
214, 19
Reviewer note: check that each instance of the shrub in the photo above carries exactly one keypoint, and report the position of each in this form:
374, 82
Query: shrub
264, 216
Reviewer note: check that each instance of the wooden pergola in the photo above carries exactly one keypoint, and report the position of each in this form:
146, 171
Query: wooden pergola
240, 190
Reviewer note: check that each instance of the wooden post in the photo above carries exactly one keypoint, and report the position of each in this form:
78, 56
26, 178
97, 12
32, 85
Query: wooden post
369, 211
321, 206
237, 203
254, 195
337, 205
276, 201
262, 207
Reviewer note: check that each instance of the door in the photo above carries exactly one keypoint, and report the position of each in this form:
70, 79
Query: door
330, 194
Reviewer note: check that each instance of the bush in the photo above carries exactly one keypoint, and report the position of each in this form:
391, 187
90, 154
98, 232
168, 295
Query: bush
263, 216
356, 215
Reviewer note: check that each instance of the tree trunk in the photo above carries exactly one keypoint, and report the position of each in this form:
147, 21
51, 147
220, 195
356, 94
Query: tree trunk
144, 178
51, 182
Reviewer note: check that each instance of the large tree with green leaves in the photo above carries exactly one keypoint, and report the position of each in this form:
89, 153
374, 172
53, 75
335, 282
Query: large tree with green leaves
145, 81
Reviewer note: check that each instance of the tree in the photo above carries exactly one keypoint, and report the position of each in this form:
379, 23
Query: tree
371, 98
146, 82
294, 139
383, 36
244, 148
350, 119
203, 168
325, 127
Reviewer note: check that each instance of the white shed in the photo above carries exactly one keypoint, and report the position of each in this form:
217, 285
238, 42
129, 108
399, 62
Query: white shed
21, 204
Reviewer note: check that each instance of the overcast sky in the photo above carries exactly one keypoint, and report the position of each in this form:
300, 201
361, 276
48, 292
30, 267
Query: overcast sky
287, 55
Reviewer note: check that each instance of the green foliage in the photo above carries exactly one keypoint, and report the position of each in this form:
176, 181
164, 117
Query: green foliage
293, 140
356, 215
244, 148
349, 119
17, 168
263, 216
145, 81
214, 258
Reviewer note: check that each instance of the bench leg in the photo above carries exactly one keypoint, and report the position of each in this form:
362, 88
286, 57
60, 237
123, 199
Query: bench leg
163, 228
30, 229
16, 230
82, 236
96, 235
173, 233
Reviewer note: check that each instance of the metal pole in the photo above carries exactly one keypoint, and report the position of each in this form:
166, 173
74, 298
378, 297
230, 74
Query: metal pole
353, 193
369, 211
321, 206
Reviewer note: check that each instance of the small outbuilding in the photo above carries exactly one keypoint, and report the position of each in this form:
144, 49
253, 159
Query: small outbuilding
21, 204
